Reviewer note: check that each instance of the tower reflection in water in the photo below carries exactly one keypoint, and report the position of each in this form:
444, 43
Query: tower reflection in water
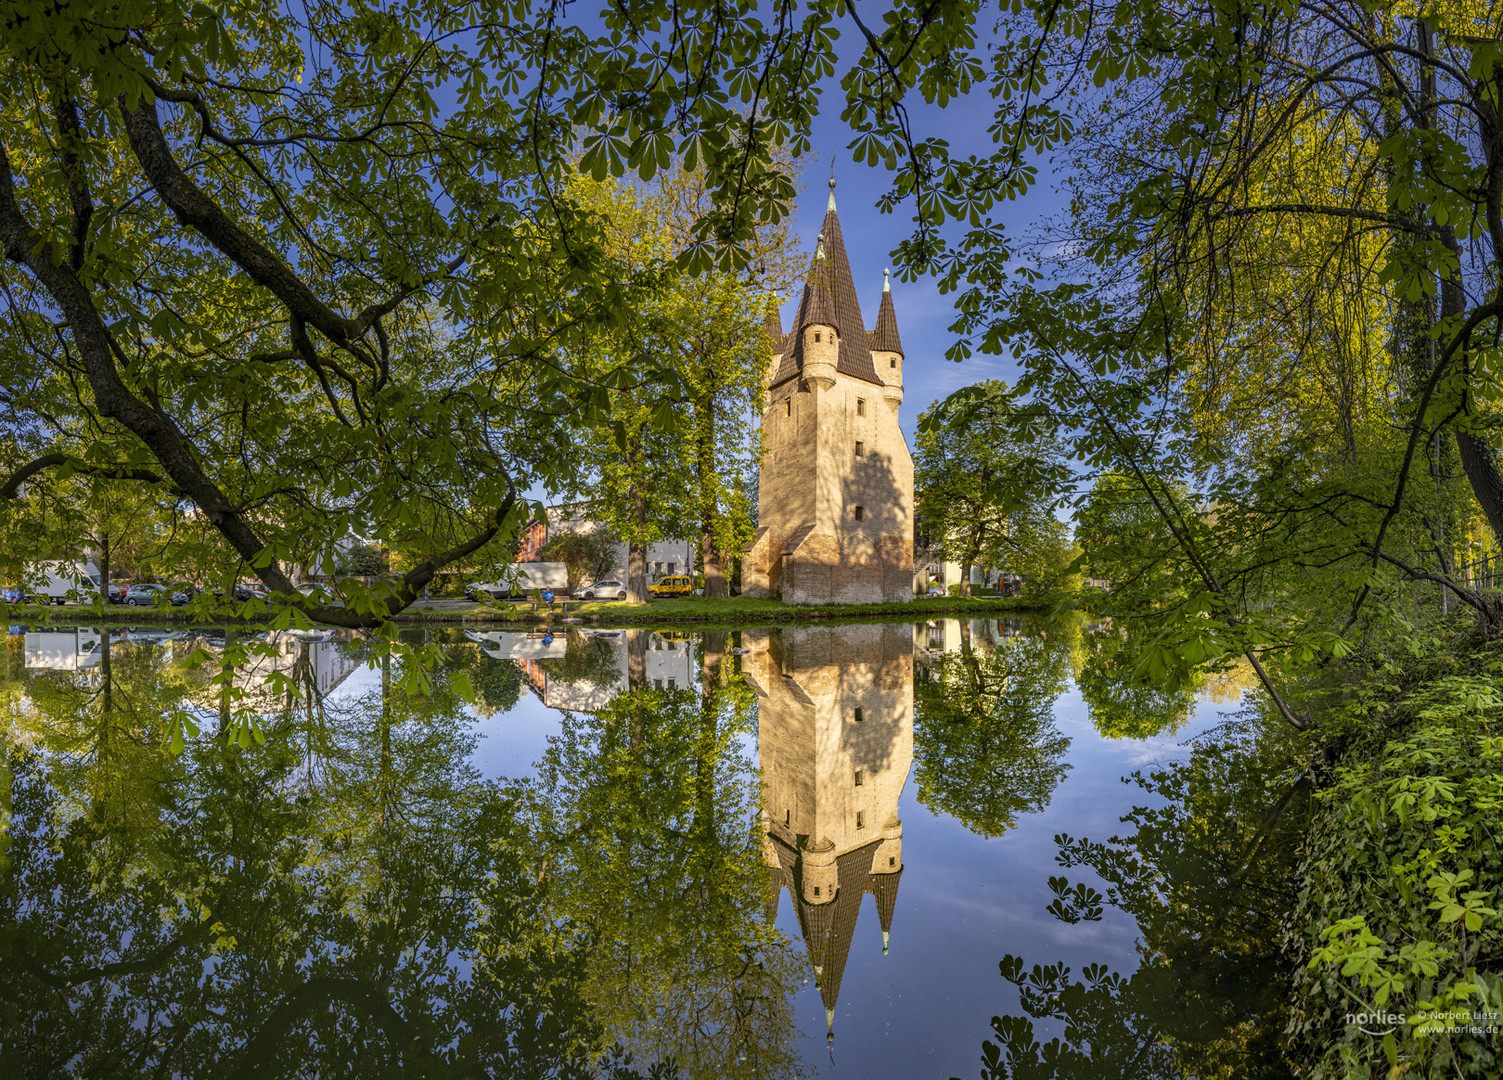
835, 730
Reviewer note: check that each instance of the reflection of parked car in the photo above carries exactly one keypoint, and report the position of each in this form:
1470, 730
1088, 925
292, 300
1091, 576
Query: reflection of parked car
672, 585
150, 635
603, 590
150, 595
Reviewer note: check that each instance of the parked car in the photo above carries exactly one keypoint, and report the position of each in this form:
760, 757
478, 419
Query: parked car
609, 589
672, 585
319, 593
13, 594
151, 595
242, 591
187, 588
118, 589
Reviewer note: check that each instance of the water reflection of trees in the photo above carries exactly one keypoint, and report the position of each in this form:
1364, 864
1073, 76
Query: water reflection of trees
347, 899
1208, 874
648, 817
985, 745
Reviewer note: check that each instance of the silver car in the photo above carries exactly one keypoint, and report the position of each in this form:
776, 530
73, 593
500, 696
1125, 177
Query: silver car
603, 590
150, 596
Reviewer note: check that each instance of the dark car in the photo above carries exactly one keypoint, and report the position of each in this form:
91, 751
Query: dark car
187, 588
118, 590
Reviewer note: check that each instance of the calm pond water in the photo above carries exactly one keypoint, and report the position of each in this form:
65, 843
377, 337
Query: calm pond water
860, 851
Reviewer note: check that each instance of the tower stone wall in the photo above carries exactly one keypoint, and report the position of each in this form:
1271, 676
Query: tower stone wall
835, 503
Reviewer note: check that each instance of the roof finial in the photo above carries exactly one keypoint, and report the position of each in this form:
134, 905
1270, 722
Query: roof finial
819, 248
887, 281
830, 206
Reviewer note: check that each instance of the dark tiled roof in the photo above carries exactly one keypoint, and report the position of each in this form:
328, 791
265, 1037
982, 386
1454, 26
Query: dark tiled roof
884, 887
829, 928
830, 299
885, 336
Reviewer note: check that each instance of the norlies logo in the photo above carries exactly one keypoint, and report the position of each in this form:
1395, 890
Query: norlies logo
1456, 1022
1372, 1023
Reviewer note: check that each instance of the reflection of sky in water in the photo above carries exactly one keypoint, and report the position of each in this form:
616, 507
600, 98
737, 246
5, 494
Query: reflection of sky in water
964, 901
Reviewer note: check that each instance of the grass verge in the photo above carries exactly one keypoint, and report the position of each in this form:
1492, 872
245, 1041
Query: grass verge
735, 611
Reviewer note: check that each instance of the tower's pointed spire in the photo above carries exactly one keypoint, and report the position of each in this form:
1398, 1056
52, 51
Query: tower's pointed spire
885, 336
829, 299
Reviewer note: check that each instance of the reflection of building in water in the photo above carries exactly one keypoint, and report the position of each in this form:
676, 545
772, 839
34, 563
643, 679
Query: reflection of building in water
667, 663
319, 664
934, 639
835, 730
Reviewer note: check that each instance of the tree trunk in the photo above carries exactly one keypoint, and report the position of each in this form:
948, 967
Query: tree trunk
704, 464
636, 573
104, 569
965, 569
106, 672
636, 551
636, 659
710, 560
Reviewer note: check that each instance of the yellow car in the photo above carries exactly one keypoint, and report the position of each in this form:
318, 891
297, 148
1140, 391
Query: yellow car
673, 585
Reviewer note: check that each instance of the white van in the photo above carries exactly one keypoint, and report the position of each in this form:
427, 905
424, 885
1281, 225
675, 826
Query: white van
61, 581
528, 576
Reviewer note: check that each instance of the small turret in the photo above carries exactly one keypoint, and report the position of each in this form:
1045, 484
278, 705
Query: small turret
887, 347
821, 879
821, 341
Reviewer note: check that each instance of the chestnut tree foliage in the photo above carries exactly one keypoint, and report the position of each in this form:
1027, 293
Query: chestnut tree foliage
308, 272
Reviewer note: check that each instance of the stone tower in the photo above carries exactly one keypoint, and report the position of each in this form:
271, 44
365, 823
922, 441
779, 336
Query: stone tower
836, 487
835, 738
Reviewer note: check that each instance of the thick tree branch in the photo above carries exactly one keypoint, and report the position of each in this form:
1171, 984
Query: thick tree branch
196, 210
12, 487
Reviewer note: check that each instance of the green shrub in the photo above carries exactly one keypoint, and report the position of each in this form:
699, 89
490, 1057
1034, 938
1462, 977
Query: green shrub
1400, 912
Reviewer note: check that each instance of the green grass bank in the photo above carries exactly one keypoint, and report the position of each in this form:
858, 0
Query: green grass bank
688, 611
